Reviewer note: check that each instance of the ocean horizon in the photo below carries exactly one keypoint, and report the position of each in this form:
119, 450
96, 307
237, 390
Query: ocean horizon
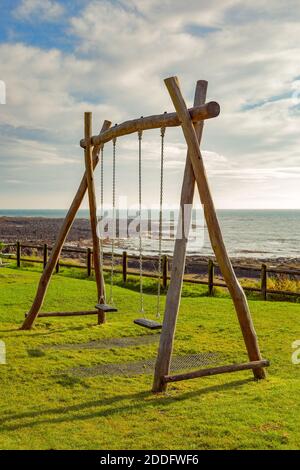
253, 233
84, 213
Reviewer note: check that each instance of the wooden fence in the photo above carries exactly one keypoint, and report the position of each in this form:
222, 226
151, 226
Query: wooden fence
124, 257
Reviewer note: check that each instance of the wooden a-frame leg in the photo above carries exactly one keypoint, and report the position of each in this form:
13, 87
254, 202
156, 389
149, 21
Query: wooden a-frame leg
61, 238
162, 367
215, 234
93, 212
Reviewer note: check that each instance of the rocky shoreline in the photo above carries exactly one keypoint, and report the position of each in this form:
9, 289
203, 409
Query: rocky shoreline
39, 230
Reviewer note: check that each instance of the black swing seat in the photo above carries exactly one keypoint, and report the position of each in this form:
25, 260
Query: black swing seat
106, 308
150, 324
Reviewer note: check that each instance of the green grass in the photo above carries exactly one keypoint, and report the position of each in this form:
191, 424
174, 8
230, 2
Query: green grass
44, 407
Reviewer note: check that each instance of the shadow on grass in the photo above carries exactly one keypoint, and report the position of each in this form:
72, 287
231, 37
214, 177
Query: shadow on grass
140, 401
34, 332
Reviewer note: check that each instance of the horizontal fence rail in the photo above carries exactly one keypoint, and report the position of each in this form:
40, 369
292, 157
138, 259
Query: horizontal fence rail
123, 268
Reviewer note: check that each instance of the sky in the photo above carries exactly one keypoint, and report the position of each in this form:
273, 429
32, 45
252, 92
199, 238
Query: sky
59, 59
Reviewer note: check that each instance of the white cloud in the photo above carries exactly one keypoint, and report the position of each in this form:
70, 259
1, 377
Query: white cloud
43, 10
123, 50
13, 181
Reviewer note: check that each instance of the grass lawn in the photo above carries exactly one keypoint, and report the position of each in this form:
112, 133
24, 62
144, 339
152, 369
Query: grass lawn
45, 405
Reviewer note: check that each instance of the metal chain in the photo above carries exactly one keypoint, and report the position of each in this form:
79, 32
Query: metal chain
162, 134
111, 300
101, 232
142, 311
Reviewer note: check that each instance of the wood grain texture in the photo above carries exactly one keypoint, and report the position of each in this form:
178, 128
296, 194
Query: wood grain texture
197, 113
93, 213
61, 238
215, 234
216, 370
163, 360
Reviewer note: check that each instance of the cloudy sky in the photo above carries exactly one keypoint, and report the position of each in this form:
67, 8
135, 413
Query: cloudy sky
61, 58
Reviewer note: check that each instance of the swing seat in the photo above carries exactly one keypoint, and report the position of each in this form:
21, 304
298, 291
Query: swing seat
150, 324
106, 308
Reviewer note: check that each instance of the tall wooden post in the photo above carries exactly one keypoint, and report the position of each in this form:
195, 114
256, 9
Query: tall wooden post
178, 263
93, 212
61, 238
215, 234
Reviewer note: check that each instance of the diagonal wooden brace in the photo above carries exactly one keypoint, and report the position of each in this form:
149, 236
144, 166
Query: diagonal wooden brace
163, 361
61, 238
215, 234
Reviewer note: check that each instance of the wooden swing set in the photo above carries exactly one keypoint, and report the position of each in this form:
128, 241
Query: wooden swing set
191, 121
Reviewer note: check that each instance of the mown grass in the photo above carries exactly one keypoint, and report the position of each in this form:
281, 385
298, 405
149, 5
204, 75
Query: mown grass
45, 406
280, 283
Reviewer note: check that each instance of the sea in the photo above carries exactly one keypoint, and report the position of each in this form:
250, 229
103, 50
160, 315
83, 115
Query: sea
247, 233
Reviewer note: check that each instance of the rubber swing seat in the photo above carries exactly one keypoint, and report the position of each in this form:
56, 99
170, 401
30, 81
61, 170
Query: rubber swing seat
150, 324
106, 308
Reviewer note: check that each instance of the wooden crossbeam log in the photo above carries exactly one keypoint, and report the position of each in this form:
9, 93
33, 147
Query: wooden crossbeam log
197, 113
216, 370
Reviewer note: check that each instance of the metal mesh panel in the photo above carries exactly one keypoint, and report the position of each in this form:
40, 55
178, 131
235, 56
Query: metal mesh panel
179, 363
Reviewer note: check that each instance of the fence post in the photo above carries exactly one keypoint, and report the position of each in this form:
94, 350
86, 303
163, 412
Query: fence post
89, 262
165, 271
18, 254
57, 267
45, 254
211, 269
124, 266
264, 280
